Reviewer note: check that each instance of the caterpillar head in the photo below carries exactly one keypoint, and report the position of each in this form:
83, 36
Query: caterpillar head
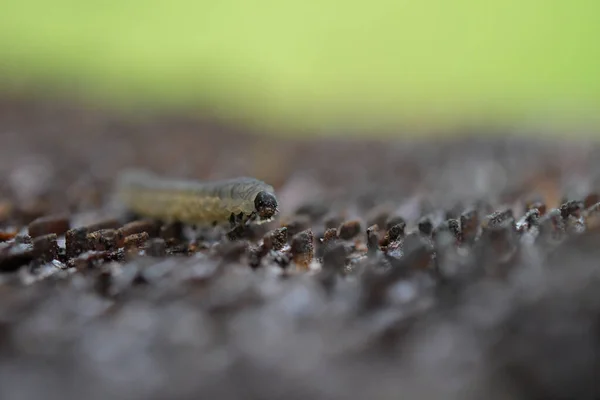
265, 205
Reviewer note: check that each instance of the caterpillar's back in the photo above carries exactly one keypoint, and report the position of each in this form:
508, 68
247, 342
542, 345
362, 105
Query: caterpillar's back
200, 203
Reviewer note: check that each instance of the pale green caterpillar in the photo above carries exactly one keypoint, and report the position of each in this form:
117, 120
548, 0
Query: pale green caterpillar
210, 203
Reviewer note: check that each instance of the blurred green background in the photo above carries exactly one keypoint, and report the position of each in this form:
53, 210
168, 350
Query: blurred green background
313, 63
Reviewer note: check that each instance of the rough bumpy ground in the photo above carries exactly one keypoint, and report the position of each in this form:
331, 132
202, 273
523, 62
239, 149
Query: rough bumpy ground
458, 270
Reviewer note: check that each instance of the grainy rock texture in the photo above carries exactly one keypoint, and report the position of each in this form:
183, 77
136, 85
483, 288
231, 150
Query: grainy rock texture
462, 269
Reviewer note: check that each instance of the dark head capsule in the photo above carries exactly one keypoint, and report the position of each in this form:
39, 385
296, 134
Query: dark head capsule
265, 205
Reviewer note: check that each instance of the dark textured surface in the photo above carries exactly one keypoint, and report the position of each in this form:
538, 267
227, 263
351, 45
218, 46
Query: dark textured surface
459, 292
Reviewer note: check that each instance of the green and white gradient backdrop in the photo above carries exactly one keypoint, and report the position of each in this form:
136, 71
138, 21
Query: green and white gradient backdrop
313, 63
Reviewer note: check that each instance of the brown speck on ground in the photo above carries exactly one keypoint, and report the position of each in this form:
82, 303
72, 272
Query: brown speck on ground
50, 224
302, 248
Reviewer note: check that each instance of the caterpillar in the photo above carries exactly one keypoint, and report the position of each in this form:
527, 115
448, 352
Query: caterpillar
210, 203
